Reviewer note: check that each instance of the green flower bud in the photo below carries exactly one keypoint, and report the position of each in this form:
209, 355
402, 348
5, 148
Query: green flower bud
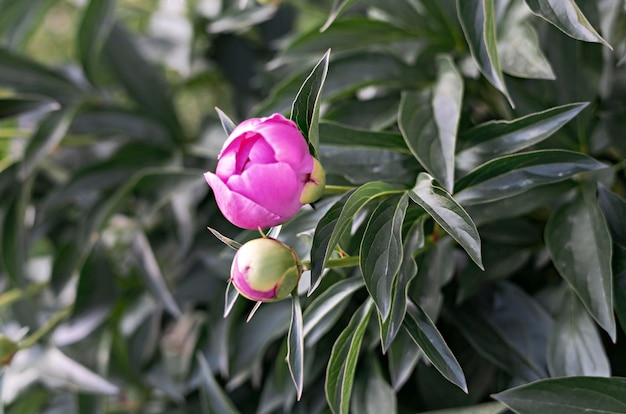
314, 187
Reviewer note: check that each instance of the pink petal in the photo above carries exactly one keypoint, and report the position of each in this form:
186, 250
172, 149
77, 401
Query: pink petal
242, 285
274, 186
238, 209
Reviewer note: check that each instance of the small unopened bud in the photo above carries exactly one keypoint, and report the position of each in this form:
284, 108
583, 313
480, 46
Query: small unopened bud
8, 348
314, 188
265, 270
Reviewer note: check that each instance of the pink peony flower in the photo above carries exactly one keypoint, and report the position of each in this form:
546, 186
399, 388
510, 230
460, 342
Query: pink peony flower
265, 270
265, 173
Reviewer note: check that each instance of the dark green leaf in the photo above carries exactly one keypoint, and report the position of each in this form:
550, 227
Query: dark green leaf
336, 221
49, 135
619, 299
425, 334
381, 251
579, 244
230, 297
449, 214
371, 393
614, 209
403, 356
390, 327
19, 20
295, 345
477, 18
14, 235
566, 15
343, 359
305, 110
513, 174
215, 398
94, 28
324, 308
227, 124
485, 408
489, 140
574, 346
337, 8
22, 104
573, 395
341, 135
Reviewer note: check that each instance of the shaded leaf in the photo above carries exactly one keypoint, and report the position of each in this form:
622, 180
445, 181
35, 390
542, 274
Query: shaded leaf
19, 21
566, 15
305, 110
425, 334
574, 346
582, 255
489, 140
372, 394
343, 359
94, 28
381, 251
216, 399
336, 221
477, 18
485, 408
336, 9
22, 104
230, 297
520, 53
513, 174
341, 135
614, 209
295, 348
403, 356
571, 395
449, 214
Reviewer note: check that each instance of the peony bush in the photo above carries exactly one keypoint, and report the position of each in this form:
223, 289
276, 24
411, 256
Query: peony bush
412, 206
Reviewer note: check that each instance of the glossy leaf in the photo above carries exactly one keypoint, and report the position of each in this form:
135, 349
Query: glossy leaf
23, 104
336, 221
477, 18
381, 251
425, 334
390, 327
95, 26
371, 393
230, 298
614, 209
403, 355
582, 255
295, 348
573, 395
343, 359
566, 15
520, 53
325, 305
337, 7
513, 174
574, 346
449, 214
305, 110
227, 123
341, 135
215, 398
489, 140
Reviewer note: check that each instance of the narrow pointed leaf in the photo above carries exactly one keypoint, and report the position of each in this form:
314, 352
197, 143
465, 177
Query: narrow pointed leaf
23, 104
305, 110
575, 347
295, 345
403, 355
492, 139
381, 250
336, 221
230, 297
614, 209
579, 244
514, 174
449, 214
573, 395
214, 396
425, 334
565, 15
343, 359
335, 11
93, 31
477, 19
227, 123
233, 244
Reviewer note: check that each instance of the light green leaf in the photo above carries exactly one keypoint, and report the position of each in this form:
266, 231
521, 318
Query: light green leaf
514, 174
566, 15
215, 399
579, 244
336, 221
573, 395
295, 345
381, 251
489, 140
477, 18
343, 359
305, 110
425, 334
94, 28
449, 214
574, 346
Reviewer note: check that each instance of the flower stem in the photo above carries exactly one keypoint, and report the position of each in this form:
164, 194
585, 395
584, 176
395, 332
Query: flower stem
348, 261
337, 189
47, 327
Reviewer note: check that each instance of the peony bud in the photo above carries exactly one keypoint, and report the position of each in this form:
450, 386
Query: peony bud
265, 270
262, 171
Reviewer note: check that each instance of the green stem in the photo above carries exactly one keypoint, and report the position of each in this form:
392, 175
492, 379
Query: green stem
337, 189
14, 295
348, 261
47, 327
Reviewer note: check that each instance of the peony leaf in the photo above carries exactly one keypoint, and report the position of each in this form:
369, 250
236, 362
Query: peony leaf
295, 345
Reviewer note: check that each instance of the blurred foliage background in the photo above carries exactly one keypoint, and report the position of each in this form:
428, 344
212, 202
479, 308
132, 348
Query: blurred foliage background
113, 289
